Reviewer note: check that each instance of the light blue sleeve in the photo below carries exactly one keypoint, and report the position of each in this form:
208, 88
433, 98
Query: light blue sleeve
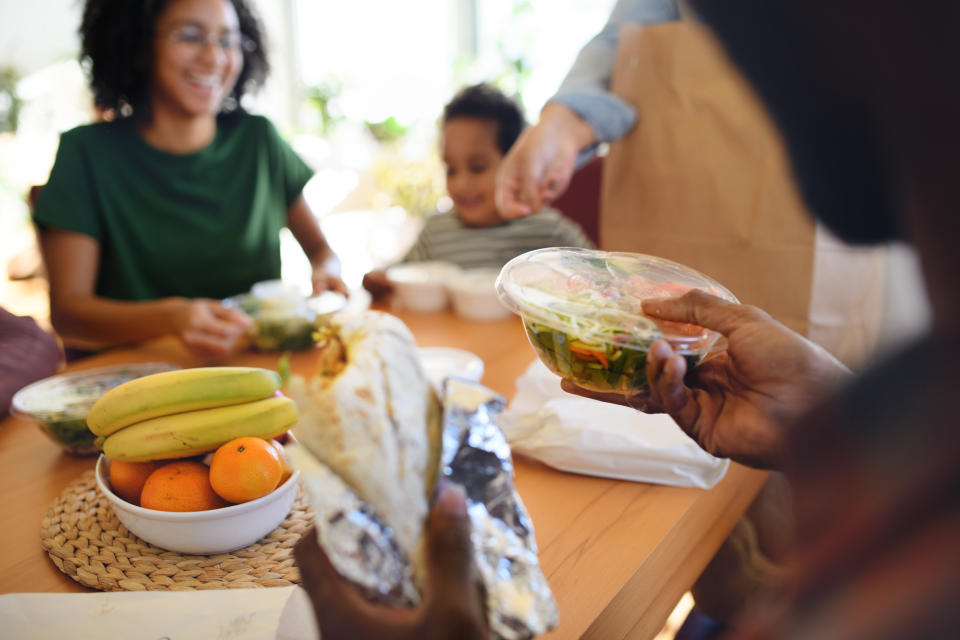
586, 88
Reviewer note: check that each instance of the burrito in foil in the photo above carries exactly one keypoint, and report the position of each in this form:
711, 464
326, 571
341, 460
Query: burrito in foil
372, 416
372, 439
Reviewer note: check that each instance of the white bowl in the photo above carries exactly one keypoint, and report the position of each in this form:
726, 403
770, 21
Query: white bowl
474, 295
441, 363
203, 532
422, 286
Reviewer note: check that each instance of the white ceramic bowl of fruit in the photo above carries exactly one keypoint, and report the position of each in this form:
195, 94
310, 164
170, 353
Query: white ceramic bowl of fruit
220, 526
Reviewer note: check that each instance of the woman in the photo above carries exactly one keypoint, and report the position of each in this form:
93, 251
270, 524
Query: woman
177, 198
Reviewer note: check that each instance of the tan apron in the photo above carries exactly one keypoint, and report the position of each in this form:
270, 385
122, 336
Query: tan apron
703, 179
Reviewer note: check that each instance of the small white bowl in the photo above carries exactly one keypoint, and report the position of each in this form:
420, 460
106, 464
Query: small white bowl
422, 286
474, 295
203, 532
441, 363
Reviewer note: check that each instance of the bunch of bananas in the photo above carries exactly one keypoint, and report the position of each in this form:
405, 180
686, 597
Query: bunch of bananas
176, 414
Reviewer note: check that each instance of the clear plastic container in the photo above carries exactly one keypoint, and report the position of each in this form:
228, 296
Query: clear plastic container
283, 318
59, 404
582, 312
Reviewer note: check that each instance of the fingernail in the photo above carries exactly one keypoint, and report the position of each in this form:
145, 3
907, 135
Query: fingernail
660, 350
451, 499
651, 306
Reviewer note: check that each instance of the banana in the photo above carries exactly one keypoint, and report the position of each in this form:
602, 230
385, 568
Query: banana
194, 432
177, 391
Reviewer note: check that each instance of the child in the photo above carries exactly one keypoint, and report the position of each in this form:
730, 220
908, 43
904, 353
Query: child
177, 200
480, 125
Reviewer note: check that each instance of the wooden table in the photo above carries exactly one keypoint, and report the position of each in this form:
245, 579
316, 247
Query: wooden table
618, 555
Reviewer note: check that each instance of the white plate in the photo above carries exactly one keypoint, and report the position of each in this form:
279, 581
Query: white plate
444, 362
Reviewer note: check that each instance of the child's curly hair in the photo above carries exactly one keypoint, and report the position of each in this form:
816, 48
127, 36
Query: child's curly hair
117, 50
487, 102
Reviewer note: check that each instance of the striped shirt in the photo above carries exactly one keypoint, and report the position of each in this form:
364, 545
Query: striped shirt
445, 237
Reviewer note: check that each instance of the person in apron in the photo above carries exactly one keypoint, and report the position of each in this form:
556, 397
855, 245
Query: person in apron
697, 173
579, 118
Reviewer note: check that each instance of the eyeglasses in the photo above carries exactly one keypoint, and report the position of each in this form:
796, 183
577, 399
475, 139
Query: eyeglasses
196, 39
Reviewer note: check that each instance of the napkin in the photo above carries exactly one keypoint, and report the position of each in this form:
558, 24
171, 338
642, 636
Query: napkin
587, 436
279, 613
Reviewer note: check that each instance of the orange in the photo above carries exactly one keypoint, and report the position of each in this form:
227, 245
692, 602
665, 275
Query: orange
245, 469
285, 466
180, 486
127, 478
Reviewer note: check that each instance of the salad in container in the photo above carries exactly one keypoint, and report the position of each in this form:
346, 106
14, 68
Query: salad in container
581, 309
59, 404
283, 318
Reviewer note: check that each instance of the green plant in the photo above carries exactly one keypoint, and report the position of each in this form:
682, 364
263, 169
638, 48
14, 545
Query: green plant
416, 185
386, 131
10, 101
323, 98
511, 68
516, 67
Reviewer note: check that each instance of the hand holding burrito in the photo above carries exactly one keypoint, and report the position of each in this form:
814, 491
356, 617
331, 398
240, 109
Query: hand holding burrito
372, 416
451, 607
372, 440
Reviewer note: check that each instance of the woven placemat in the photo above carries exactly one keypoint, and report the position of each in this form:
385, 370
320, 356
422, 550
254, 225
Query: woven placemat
85, 539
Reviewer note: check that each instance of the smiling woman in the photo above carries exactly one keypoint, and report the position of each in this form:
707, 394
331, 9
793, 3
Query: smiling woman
178, 198
127, 30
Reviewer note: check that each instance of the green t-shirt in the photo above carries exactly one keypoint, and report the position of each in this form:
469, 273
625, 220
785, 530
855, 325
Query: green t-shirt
204, 224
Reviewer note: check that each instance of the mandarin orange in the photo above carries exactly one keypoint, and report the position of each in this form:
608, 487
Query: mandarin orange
245, 469
286, 470
183, 485
127, 478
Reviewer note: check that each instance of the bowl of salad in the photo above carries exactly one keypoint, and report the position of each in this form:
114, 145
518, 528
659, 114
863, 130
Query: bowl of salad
581, 310
59, 404
283, 318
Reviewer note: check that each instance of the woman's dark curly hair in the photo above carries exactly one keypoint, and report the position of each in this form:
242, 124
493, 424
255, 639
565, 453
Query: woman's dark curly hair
489, 103
117, 49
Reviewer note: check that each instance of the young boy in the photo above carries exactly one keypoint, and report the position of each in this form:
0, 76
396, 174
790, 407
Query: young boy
479, 126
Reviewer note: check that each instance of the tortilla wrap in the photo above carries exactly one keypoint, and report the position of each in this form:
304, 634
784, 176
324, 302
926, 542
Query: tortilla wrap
375, 422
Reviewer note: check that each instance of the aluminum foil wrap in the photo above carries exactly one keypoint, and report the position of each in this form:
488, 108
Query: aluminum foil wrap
475, 455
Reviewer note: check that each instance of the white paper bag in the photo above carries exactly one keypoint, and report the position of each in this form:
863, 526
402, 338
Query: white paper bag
586, 436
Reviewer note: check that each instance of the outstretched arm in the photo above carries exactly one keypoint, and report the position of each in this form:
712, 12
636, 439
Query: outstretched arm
583, 113
736, 401
324, 262
72, 259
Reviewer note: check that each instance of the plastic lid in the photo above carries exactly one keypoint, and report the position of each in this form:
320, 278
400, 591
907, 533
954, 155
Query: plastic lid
276, 289
595, 296
326, 302
70, 395
288, 307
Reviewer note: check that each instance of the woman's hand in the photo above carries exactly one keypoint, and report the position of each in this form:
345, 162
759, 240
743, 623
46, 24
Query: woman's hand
538, 167
734, 403
452, 607
210, 329
323, 280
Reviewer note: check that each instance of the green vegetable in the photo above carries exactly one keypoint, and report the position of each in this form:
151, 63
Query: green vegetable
284, 334
603, 367
283, 368
72, 433
278, 328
